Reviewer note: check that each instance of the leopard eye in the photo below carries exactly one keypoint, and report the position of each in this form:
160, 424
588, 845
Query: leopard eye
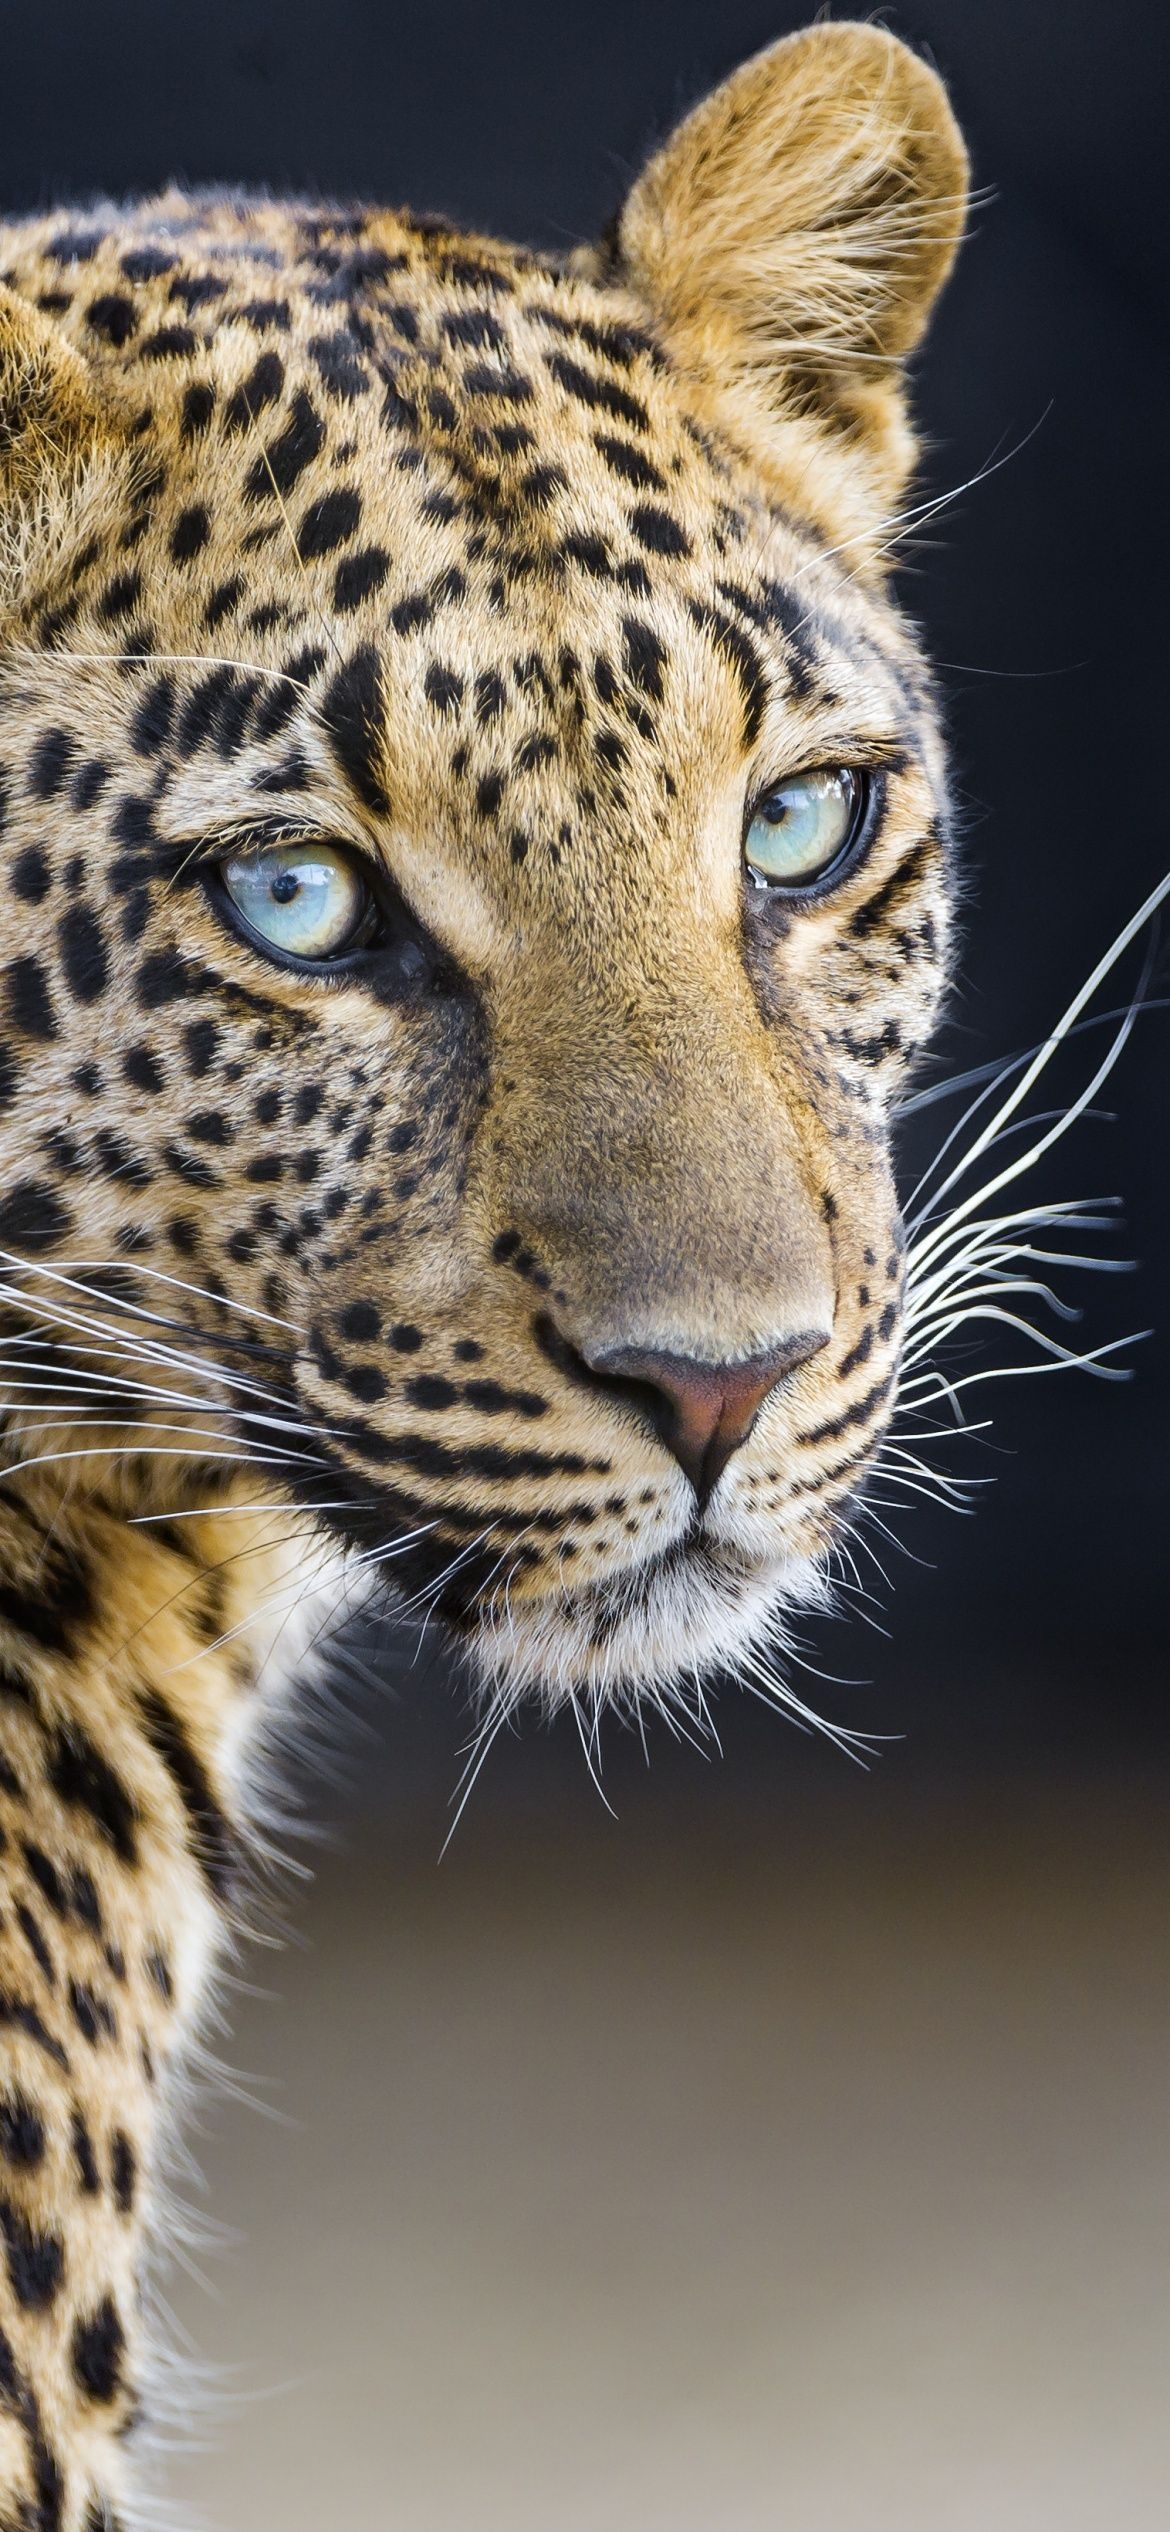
305, 899
798, 831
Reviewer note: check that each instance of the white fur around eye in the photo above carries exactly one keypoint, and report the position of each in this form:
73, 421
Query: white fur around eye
306, 899
802, 827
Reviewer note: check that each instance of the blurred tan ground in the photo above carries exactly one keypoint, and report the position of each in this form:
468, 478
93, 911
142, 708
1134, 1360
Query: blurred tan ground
806, 2173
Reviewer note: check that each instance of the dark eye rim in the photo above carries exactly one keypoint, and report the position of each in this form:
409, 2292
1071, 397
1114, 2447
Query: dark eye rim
370, 933
396, 960
867, 815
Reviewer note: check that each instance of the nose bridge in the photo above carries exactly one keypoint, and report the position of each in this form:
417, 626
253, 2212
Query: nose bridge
655, 1161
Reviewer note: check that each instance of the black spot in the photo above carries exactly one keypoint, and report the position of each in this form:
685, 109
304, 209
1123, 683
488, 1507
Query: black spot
200, 716
443, 687
84, 1899
83, 954
222, 601
482, 380
210, 1125
366, 1383
75, 246
360, 1322
112, 316
591, 552
200, 1038
351, 712
143, 1070
359, 577
120, 597
261, 387
158, 1970
145, 263
540, 484
645, 656
404, 1338
85, 1779
287, 456
601, 393
50, 763
261, 313
124, 2170
29, 998
475, 327
328, 522
31, 878
94, 2017
99, 2346
342, 372
151, 726
170, 342
84, 2156
22, 2133
32, 1216
47, 1878
36, 2261
190, 532
628, 462
165, 976
212, 1838
489, 696
412, 613
197, 290
48, 2484
35, 1940
658, 530
431, 1391
198, 407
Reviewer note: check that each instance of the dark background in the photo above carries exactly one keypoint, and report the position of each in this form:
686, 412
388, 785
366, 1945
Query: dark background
1033, 1637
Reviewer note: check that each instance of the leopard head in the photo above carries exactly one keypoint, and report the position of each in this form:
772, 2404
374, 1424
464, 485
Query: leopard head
475, 855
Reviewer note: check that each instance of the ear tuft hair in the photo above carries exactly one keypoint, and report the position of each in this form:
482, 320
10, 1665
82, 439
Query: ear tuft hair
795, 230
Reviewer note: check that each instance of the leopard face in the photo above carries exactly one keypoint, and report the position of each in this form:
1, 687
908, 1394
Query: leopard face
535, 1229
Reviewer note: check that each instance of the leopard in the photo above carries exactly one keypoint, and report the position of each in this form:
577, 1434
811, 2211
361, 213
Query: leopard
478, 864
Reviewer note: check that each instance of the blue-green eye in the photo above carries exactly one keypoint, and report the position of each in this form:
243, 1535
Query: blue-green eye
306, 899
805, 825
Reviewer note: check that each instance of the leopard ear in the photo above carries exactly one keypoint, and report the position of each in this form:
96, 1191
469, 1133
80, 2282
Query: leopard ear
794, 232
62, 447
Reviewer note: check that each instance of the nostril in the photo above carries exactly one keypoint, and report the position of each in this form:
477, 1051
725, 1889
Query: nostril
701, 1411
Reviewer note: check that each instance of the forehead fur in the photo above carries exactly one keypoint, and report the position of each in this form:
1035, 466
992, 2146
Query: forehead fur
481, 483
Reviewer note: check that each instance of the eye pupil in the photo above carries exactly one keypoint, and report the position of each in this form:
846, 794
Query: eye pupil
285, 886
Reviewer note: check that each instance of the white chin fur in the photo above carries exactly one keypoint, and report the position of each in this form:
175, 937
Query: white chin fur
653, 1633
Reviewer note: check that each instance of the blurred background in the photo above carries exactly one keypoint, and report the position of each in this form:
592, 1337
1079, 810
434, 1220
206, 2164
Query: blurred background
786, 2146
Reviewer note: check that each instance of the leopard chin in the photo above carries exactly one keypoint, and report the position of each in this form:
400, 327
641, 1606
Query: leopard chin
656, 1634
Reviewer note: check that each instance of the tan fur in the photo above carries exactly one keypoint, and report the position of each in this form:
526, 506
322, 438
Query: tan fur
522, 579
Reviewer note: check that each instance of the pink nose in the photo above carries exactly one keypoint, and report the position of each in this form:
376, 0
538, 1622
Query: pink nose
703, 1411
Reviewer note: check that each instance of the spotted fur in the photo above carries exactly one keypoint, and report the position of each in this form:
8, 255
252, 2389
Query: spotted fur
520, 576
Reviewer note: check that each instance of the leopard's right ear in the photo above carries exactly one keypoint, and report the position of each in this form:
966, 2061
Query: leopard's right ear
63, 452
